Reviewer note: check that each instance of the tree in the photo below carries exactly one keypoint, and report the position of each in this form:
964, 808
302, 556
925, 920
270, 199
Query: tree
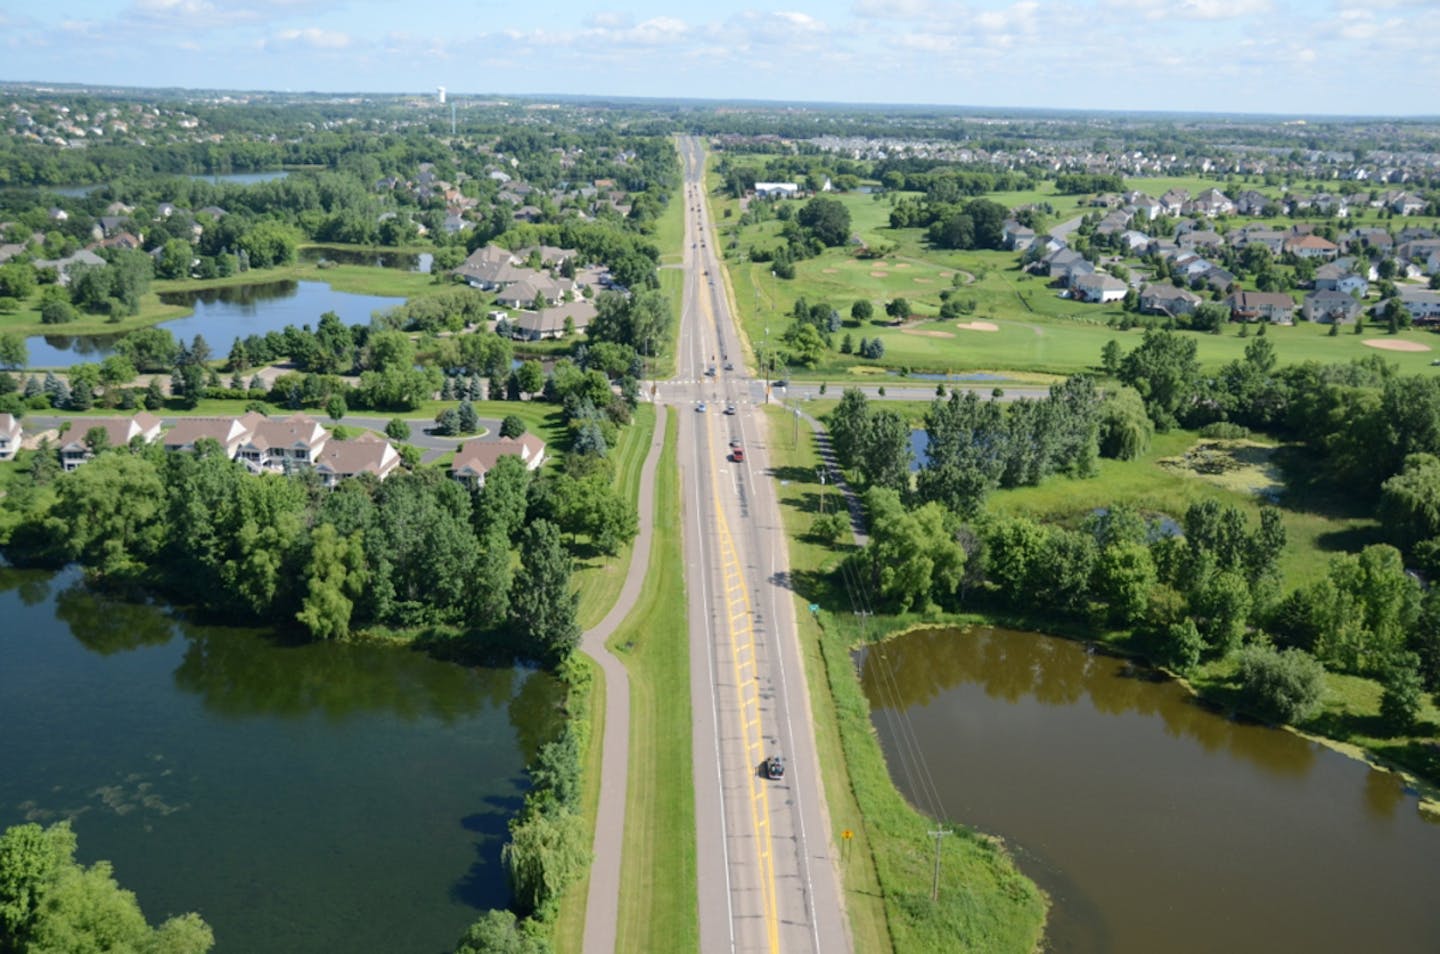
862, 310
898, 309
1165, 371
397, 430
54, 311
1281, 685
828, 219
13, 353
1404, 693
497, 932
1125, 428
174, 259
546, 852
884, 454
512, 426
335, 577
469, 421
1110, 357
108, 513
543, 606
913, 559
530, 376
50, 902
501, 502
1410, 501
335, 407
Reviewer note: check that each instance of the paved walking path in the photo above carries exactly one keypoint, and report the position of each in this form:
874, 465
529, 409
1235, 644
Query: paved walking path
602, 906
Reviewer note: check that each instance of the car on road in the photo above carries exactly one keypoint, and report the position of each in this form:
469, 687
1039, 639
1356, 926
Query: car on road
729, 366
729, 409
700, 408
710, 371
738, 455
783, 383
773, 767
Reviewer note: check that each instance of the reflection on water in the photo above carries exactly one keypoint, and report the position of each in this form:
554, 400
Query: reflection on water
336, 797
1155, 824
223, 314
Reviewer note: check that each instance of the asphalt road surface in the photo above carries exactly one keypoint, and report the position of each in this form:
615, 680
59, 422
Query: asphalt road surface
768, 878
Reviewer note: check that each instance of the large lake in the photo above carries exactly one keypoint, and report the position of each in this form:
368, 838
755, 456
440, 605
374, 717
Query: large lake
301, 798
223, 314
1154, 824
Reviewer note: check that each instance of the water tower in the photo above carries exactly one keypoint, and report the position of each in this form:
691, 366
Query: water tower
440, 95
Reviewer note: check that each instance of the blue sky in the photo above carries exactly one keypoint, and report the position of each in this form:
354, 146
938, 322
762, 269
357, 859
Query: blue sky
1278, 56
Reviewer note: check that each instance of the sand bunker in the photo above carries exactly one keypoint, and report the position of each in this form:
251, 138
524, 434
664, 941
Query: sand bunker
1394, 344
978, 326
902, 264
828, 271
879, 274
921, 281
926, 333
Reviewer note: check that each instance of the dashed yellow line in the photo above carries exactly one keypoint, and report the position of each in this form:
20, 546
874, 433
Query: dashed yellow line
742, 640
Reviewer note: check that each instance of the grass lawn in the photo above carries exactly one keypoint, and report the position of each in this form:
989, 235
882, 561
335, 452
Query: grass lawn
658, 907
985, 903
1035, 329
598, 579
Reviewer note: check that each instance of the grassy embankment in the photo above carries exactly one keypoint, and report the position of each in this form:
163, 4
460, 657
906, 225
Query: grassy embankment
985, 903
1037, 331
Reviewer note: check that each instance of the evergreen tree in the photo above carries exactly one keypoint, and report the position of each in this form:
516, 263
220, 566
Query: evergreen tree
542, 604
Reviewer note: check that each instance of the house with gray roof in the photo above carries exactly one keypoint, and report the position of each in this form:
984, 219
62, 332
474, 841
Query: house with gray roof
1330, 307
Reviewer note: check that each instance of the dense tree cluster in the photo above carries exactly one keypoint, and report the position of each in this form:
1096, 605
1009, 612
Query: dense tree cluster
51, 902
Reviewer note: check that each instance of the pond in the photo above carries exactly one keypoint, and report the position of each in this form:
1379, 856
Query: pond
406, 261
301, 798
222, 315
1154, 824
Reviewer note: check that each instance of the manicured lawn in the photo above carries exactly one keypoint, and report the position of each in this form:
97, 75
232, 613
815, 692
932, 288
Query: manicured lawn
986, 905
659, 903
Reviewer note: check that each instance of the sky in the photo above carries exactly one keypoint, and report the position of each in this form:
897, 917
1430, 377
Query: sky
1287, 57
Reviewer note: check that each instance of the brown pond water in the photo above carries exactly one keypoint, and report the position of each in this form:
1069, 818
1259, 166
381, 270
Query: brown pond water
1154, 824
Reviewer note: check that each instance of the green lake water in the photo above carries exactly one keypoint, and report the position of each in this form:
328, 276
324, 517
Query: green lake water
311, 798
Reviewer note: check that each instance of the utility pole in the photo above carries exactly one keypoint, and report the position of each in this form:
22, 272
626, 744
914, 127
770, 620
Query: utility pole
938, 834
820, 472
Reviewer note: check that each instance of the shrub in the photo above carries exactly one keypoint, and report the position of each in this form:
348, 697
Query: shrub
1225, 430
1281, 685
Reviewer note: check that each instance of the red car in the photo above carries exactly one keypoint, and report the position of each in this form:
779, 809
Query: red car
738, 455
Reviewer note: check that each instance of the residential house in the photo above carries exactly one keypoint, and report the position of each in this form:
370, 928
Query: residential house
1018, 238
551, 322
1142, 204
476, 458
1173, 202
1330, 307
776, 190
366, 454
1113, 223
490, 276
1422, 303
119, 432
1418, 250
277, 444
1251, 202
535, 285
62, 266
1272, 239
1059, 263
1187, 267
1274, 307
1311, 246
11, 434
1097, 288
228, 432
1406, 203
1164, 299
1210, 203
1207, 240
1218, 278
1337, 276
1135, 242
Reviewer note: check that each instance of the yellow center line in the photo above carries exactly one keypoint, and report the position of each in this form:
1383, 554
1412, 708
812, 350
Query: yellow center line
742, 639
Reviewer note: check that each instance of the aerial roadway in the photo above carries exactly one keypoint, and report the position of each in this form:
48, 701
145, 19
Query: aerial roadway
767, 869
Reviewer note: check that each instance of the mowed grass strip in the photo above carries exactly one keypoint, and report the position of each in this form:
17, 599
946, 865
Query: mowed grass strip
659, 903
986, 904
599, 579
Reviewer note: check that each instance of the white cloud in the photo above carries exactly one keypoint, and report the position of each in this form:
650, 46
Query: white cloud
1193, 9
315, 38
